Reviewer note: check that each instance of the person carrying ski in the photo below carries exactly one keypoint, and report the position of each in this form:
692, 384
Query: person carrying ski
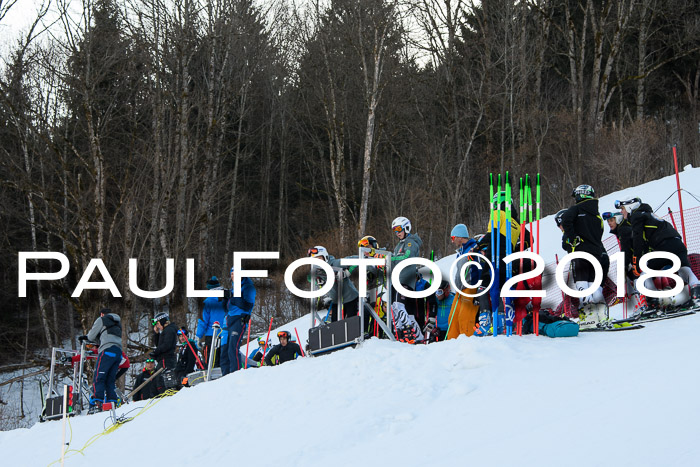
239, 310
285, 350
406, 327
165, 340
215, 310
651, 233
408, 247
186, 356
583, 231
154, 387
464, 310
107, 330
349, 295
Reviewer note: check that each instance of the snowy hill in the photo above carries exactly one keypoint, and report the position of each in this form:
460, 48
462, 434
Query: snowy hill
618, 399
612, 399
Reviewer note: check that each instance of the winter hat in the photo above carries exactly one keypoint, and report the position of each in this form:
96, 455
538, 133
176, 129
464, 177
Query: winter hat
460, 230
213, 283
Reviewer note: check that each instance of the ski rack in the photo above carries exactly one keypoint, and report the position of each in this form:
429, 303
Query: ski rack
386, 327
77, 381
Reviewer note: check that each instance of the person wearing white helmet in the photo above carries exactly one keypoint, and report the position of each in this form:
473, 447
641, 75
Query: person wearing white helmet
349, 297
408, 247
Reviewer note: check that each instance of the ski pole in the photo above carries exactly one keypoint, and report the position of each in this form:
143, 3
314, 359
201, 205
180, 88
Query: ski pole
670, 213
262, 361
245, 367
299, 342
199, 362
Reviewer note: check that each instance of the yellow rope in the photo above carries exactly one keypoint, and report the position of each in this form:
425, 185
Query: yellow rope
152, 402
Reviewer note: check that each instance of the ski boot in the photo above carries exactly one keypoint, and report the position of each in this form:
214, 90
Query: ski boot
695, 294
95, 406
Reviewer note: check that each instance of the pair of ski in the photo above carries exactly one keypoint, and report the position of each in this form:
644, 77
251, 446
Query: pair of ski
660, 315
526, 207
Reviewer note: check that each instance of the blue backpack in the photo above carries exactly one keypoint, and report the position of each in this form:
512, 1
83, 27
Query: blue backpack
560, 329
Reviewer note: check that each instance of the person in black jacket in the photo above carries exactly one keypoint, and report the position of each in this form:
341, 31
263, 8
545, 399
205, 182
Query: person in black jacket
622, 229
186, 357
154, 387
583, 231
651, 233
285, 350
165, 341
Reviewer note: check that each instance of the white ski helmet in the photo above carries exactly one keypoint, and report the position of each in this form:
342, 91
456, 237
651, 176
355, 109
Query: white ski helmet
400, 224
630, 205
319, 252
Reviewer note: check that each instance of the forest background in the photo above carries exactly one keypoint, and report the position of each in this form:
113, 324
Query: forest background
157, 129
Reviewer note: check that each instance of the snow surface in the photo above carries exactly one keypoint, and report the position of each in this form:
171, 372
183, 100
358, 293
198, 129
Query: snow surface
626, 398
621, 399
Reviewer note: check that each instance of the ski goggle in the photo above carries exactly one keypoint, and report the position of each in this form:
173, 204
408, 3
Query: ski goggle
363, 242
608, 215
283, 334
154, 322
150, 360
618, 204
312, 251
180, 332
398, 229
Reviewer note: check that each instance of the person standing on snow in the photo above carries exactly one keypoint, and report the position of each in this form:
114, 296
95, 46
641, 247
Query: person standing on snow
651, 233
239, 310
107, 330
444, 299
215, 310
165, 341
464, 311
285, 350
583, 231
350, 296
186, 356
408, 247
155, 387
621, 228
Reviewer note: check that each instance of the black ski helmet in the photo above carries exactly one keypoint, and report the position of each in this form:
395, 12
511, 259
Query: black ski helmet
286, 334
368, 241
558, 217
582, 192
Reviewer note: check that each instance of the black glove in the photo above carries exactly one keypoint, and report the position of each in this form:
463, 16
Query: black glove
245, 319
83, 338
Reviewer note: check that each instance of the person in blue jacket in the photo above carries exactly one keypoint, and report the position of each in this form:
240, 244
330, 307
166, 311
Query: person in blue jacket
239, 309
215, 310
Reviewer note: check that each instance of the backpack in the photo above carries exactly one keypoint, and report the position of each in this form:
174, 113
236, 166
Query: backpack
562, 328
112, 326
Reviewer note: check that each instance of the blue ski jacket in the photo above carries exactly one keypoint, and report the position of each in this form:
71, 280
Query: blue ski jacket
215, 309
243, 305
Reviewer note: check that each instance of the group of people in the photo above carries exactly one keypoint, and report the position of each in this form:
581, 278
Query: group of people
638, 231
446, 314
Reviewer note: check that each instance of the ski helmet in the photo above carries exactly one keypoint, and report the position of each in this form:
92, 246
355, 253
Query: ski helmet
613, 215
630, 205
400, 224
161, 317
582, 192
558, 217
318, 252
368, 241
286, 334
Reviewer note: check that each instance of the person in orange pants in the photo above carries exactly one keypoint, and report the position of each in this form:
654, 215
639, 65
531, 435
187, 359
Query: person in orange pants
463, 315
464, 312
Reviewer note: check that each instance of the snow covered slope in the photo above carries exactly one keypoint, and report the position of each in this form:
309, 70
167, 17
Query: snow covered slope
619, 399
